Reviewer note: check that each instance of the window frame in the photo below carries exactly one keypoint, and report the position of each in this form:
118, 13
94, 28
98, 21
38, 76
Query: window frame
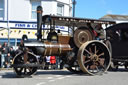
34, 10
2, 9
62, 9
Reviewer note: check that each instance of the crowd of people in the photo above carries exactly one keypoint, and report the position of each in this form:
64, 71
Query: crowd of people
53, 62
6, 55
50, 62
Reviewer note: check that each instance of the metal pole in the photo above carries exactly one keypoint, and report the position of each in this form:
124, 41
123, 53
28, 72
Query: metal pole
8, 23
74, 3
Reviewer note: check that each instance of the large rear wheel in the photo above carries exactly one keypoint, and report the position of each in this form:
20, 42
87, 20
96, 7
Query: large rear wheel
94, 57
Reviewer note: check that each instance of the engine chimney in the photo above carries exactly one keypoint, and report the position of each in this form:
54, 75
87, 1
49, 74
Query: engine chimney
39, 22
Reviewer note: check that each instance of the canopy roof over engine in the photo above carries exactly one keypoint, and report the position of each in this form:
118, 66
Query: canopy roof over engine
69, 21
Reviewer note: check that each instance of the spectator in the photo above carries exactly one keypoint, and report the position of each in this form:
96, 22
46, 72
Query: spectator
100, 32
53, 62
47, 62
57, 62
59, 33
0, 54
52, 35
7, 60
61, 64
20, 47
5, 51
12, 52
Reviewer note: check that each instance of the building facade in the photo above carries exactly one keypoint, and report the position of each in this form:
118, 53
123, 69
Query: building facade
20, 16
25, 10
116, 18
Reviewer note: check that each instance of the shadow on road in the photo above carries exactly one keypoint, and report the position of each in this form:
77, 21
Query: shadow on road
119, 70
13, 75
9, 75
58, 72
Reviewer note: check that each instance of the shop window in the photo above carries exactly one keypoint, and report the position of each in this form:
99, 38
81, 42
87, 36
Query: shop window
1, 9
34, 4
60, 10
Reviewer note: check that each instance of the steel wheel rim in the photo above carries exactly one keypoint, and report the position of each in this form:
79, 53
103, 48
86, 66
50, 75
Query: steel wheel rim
25, 71
93, 61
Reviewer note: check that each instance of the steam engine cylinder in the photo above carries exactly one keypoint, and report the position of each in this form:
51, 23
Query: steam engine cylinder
49, 49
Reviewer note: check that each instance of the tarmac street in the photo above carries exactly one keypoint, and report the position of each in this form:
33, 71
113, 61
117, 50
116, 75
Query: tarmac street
64, 77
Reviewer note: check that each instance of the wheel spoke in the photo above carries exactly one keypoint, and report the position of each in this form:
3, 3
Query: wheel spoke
90, 49
97, 69
102, 66
25, 57
95, 49
21, 69
88, 66
25, 71
88, 52
101, 54
30, 69
87, 61
101, 62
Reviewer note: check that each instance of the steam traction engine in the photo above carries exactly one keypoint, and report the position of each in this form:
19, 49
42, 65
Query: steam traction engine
78, 49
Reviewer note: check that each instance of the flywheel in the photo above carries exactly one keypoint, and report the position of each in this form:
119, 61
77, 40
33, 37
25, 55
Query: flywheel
82, 35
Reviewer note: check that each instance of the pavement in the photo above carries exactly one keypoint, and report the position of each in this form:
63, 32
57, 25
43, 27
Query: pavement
64, 77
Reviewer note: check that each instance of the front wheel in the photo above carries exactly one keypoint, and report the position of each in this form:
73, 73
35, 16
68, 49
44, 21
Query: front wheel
27, 68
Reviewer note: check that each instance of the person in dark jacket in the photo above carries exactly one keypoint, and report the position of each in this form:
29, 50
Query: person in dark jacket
0, 54
12, 52
52, 35
5, 52
20, 47
7, 60
100, 32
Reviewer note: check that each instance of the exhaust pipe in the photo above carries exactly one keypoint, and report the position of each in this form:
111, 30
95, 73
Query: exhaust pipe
39, 23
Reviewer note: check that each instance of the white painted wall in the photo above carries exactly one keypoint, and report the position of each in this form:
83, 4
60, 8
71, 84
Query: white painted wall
65, 1
67, 12
49, 7
20, 10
